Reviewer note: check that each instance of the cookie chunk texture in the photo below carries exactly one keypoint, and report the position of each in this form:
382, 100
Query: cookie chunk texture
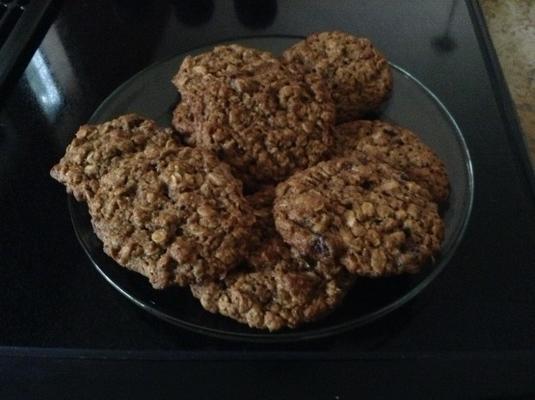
357, 74
198, 72
222, 63
96, 149
360, 213
266, 121
276, 288
397, 146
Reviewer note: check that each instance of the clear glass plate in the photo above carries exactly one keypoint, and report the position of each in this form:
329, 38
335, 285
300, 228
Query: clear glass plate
151, 94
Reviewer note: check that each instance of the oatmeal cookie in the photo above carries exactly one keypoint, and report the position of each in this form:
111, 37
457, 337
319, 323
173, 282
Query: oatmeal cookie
95, 150
276, 288
359, 77
396, 146
221, 64
176, 216
267, 125
361, 213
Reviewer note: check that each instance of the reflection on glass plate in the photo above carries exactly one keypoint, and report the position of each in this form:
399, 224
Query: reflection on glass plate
151, 94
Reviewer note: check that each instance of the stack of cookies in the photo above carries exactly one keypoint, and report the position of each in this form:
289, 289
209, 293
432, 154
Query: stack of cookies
272, 193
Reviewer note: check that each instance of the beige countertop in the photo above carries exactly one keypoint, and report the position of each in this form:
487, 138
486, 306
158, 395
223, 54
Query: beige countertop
511, 25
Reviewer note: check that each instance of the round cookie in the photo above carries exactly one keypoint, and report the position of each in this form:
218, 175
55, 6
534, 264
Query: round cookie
95, 150
358, 76
396, 146
360, 213
267, 125
276, 288
177, 216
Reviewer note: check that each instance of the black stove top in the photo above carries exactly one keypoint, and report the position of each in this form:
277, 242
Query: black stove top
481, 308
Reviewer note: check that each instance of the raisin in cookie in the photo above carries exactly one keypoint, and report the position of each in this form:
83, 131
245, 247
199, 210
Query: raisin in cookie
361, 213
276, 288
396, 146
359, 77
95, 150
266, 125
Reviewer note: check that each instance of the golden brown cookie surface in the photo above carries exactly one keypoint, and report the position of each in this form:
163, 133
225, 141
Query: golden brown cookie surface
276, 288
177, 217
360, 213
95, 149
265, 122
174, 214
358, 76
396, 146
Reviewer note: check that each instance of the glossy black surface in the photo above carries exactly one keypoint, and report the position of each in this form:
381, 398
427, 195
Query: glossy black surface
453, 376
51, 295
151, 94
21, 30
